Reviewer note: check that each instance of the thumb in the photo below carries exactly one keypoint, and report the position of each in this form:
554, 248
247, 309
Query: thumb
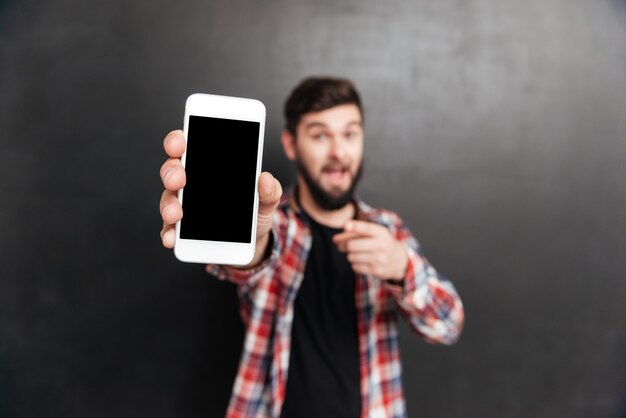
270, 192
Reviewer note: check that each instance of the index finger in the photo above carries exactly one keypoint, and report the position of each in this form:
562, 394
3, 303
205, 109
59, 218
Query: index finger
363, 228
345, 236
174, 144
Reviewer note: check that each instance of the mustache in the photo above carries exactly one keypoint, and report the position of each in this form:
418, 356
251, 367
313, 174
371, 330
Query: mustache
335, 166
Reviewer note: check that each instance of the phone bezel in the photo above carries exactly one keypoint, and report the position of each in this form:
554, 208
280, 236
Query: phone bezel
223, 107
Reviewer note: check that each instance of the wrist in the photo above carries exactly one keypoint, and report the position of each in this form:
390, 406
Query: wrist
403, 263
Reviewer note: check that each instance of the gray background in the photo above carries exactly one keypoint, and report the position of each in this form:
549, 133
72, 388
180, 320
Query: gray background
496, 128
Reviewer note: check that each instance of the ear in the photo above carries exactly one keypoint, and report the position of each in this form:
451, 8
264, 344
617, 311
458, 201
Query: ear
289, 144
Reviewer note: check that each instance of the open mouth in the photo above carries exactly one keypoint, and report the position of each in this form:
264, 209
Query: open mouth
335, 174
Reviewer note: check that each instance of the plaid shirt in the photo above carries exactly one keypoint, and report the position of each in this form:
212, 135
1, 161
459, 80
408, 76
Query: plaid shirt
267, 293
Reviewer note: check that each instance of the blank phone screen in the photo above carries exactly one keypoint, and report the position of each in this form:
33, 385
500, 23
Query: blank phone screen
218, 198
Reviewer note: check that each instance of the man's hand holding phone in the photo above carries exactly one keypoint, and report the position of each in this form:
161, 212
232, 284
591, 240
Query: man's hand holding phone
174, 179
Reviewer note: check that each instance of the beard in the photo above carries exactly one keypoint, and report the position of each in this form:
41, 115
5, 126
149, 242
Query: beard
324, 199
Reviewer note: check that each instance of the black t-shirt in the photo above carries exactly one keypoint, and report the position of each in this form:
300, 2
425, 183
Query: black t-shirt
323, 378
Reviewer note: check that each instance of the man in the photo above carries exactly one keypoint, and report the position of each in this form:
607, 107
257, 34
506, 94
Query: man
320, 298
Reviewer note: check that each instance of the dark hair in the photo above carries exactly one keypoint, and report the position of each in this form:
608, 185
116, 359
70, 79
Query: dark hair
315, 94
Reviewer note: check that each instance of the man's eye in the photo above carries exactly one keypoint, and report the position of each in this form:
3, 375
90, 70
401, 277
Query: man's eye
320, 136
351, 134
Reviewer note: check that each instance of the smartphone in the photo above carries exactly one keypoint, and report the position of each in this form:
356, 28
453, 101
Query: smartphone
222, 162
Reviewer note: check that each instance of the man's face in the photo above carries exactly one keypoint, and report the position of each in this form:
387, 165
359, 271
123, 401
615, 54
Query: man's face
328, 150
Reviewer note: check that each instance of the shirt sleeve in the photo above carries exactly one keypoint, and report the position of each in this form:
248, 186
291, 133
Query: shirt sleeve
428, 301
249, 277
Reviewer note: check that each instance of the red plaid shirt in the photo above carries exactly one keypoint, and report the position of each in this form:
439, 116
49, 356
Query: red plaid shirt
428, 302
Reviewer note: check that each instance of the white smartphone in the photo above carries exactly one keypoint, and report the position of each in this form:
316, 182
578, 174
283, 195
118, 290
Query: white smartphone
222, 162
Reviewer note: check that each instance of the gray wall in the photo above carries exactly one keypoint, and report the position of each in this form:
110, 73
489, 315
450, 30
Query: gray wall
496, 128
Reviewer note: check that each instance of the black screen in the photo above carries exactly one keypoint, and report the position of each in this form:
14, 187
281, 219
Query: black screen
218, 198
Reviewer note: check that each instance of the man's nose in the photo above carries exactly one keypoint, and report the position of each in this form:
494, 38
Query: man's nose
337, 147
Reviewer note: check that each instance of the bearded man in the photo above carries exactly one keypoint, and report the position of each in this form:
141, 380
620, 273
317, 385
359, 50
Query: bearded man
320, 300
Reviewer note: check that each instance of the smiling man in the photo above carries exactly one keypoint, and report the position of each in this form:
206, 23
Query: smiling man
321, 298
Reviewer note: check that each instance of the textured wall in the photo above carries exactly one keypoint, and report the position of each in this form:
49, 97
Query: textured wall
497, 129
